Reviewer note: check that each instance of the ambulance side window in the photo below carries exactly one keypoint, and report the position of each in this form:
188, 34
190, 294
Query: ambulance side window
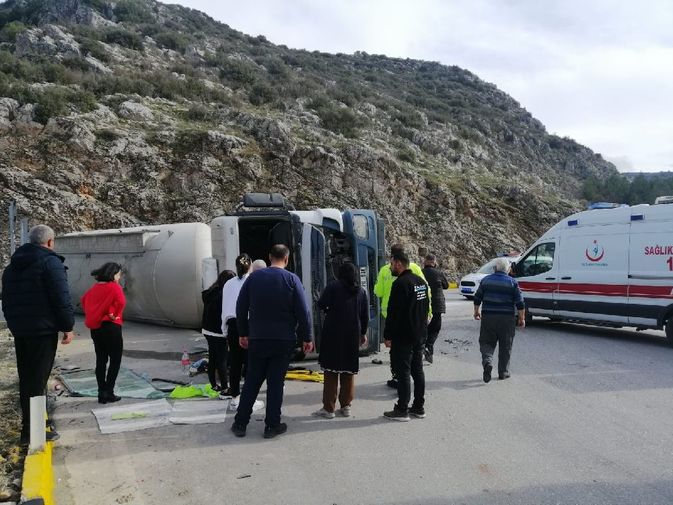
538, 261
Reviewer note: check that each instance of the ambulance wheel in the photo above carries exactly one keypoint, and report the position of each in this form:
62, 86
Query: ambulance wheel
669, 330
529, 318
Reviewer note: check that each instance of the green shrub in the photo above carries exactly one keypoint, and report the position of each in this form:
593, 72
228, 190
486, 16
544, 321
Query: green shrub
190, 140
199, 112
11, 30
92, 47
338, 119
76, 63
172, 40
124, 38
237, 71
107, 135
133, 11
406, 154
262, 93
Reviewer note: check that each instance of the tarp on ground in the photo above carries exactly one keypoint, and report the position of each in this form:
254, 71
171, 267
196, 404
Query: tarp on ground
129, 384
133, 417
199, 411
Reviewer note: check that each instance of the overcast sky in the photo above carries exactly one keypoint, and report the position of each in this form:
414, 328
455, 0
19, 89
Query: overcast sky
599, 71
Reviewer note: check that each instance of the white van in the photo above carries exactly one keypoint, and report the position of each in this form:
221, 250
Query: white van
610, 267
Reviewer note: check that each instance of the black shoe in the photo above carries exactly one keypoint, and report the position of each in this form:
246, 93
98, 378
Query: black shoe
52, 436
428, 356
49, 423
111, 398
503, 375
417, 412
396, 415
487, 373
102, 398
392, 383
274, 431
238, 430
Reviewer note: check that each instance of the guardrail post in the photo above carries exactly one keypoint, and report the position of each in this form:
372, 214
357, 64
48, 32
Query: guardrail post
38, 414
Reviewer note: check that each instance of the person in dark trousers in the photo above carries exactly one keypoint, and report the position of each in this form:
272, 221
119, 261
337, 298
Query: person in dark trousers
37, 306
237, 355
384, 283
405, 333
438, 283
211, 328
103, 305
271, 312
498, 303
343, 332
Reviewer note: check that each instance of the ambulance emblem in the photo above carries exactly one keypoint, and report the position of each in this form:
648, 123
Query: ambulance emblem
594, 252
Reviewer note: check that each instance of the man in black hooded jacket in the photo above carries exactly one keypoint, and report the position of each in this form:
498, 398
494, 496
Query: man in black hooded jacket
37, 306
405, 333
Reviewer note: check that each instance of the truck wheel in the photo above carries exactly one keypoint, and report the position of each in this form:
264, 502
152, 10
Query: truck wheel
529, 317
669, 330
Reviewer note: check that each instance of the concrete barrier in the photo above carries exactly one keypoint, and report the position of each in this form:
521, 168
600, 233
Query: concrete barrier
38, 472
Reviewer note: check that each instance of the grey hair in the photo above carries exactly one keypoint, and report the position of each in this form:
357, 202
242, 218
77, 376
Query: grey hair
501, 265
258, 265
40, 234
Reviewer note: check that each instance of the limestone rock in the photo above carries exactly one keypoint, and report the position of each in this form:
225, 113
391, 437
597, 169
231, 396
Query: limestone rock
135, 111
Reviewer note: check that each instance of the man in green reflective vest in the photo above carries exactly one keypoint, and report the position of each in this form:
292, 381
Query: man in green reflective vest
384, 283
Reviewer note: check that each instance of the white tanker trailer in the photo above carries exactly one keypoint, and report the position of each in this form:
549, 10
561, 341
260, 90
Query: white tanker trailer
163, 268
167, 266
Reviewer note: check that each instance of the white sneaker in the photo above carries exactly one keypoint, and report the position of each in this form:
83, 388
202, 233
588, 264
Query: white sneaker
345, 411
323, 413
233, 404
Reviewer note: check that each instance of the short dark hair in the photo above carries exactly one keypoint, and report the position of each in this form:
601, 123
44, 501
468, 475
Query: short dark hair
396, 248
430, 258
402, 257
279, 252
106, 272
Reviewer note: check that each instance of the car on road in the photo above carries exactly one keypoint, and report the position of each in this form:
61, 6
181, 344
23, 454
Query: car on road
470, 283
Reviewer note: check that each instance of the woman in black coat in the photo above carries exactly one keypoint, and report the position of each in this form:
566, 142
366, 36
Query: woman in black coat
345, 329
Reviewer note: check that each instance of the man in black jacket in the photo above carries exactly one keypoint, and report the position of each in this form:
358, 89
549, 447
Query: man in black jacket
37, 305
438, 283
405, 334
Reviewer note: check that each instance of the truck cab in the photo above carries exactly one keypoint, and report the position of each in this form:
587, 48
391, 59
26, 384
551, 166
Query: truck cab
320, 241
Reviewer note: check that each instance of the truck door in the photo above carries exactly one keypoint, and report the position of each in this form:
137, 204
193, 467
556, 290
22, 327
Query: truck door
314, 273
593, 263
650, 275
537, 273
226, 243
368, 248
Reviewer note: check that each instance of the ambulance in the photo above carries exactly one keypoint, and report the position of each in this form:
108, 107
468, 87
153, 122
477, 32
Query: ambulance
608, 267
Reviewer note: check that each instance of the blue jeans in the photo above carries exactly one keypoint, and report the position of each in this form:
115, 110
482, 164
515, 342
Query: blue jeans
267, 360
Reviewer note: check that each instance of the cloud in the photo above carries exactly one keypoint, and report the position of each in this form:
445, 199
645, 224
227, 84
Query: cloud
597, 71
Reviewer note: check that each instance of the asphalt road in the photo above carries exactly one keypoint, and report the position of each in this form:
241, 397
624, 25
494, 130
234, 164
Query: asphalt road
585, 419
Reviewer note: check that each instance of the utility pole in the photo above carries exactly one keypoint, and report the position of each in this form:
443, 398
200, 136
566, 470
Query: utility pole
12, 225
24, 231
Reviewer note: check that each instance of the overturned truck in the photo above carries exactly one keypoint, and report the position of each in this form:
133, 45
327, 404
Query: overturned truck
167, 266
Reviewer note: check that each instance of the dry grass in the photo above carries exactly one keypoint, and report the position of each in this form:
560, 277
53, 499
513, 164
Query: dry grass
11, 457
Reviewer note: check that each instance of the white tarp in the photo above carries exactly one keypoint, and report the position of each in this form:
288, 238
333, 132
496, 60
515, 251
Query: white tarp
199, 411
132, 417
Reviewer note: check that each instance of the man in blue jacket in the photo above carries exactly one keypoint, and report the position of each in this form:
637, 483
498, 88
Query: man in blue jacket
37, 305
271, 312
502, 307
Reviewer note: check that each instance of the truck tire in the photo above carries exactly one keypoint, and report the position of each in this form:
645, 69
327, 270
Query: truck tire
528, 317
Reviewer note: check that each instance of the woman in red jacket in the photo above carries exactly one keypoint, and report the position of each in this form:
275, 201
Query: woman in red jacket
103, 305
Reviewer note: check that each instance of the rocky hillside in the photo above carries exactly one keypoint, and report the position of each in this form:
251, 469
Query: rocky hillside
135, 112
